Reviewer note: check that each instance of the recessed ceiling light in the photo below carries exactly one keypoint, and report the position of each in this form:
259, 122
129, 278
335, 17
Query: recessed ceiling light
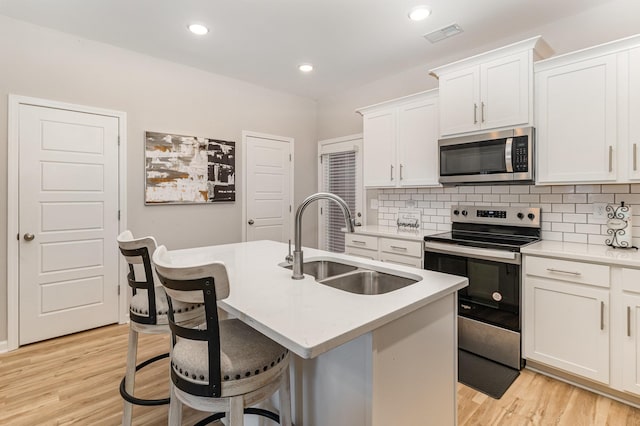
419, 13
198, 29
305, 67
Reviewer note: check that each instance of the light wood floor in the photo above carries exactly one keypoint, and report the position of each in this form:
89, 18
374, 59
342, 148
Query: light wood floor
75, 379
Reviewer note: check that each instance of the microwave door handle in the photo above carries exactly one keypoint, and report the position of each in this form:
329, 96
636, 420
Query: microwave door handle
508, 159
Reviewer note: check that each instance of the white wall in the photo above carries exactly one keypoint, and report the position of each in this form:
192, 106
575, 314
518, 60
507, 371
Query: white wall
159, 96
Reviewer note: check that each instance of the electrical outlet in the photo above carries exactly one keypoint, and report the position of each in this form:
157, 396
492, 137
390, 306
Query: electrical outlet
374, 204
599, 210
411, 204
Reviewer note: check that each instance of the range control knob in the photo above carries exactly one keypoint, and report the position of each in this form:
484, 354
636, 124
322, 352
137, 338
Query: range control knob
464, 212
456, 212
520, 215
531, 216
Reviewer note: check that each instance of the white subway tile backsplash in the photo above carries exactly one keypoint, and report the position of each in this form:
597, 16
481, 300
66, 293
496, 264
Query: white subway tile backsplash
574, 238
540, 189
563, 208
563, 189
574, 198
587, 189
551, 198
567, 210
616, 189
574, 217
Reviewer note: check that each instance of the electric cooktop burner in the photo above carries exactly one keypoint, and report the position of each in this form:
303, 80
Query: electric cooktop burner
505, 228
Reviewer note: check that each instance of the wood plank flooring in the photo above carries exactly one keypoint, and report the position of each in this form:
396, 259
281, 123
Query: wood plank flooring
74, 380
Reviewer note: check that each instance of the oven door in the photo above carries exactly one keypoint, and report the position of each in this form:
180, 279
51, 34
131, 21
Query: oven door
493, 294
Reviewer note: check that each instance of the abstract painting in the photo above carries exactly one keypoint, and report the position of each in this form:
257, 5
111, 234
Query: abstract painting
188, 169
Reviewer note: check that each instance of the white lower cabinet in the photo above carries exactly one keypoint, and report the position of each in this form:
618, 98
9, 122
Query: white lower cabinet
393, 250
631, 324
566, 327
583, 318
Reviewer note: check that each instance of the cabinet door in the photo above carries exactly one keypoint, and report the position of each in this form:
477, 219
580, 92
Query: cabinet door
566, 326
459, 101
504, 91
634, 113
631, 343
379, 157
576, 113
418, 143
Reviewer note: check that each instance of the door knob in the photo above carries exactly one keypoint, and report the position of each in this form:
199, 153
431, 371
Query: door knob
251, 222
28, 237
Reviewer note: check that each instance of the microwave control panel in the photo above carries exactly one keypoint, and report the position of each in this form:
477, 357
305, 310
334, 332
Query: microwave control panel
520, 154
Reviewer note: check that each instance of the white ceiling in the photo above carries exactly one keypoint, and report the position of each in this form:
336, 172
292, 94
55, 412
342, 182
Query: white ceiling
350, 42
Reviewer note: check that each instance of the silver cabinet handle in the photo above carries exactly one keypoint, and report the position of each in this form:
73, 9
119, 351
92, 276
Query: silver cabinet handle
29, 237
400, 171
358, 242
635, 157
601, 315
392, 172
482, 112
610, 158
475, 113
628, 321
251, 222
399, 248
560, 271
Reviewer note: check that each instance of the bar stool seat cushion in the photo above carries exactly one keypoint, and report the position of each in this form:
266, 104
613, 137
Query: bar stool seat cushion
140, 305
245, 353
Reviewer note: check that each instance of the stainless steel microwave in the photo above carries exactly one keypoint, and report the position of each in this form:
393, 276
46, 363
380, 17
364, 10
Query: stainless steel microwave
499, 157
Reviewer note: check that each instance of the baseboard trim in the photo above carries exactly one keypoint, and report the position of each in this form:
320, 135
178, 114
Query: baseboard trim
4, 346
582, 383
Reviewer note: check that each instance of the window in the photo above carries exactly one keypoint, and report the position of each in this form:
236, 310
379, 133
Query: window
340, 174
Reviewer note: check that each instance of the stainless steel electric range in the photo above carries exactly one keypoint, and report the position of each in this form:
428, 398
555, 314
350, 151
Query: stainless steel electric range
484, 246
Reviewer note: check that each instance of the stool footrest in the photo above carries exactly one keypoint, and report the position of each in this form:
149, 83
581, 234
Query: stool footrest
139, 401
251, 410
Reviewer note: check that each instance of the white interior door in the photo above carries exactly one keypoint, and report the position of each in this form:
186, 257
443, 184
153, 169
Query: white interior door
268, 189
68, 221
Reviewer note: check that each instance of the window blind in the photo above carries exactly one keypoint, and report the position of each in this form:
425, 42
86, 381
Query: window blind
339, 178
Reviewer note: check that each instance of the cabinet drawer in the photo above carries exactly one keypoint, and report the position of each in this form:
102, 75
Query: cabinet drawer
399, 259
568, 270
361, 241
367, 254
403, 247
631, 280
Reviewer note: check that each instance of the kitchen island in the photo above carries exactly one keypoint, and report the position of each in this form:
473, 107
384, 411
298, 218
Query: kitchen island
370, 360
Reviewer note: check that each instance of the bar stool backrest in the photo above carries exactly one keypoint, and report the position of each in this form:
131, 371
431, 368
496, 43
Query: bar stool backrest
199, 283
138, 252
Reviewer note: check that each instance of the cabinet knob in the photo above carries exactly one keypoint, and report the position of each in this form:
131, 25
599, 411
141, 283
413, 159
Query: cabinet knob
28, 237
250, 222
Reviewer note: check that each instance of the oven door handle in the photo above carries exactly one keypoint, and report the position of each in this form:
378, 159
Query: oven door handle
480, 253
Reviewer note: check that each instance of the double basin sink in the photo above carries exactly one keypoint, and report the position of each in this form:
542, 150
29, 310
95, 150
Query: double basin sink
353, 278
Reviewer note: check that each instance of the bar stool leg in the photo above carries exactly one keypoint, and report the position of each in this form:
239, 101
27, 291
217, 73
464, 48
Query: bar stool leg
129, 380
236, 411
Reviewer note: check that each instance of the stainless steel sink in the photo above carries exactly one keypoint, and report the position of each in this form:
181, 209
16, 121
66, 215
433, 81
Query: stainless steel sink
321, 269
368, 282
353, 278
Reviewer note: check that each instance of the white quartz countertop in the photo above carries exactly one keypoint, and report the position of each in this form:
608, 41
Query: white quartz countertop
392, 232
585, 252
307, 317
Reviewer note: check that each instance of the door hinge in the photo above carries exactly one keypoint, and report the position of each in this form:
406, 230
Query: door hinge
289, 157
118, 140
118, 289
18, 236
289, 212
118, 214
321, 159
320, 210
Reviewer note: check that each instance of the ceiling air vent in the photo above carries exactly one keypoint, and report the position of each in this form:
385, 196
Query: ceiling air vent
444, 32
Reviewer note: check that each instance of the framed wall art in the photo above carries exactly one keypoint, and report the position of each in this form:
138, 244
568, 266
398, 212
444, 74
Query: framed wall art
188, 169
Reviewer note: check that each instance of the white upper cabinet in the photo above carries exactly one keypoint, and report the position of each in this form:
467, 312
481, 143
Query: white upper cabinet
585, 104
401, 141
634, 112
489, 91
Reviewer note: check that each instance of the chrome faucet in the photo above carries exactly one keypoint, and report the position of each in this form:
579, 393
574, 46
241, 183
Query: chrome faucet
297, 250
